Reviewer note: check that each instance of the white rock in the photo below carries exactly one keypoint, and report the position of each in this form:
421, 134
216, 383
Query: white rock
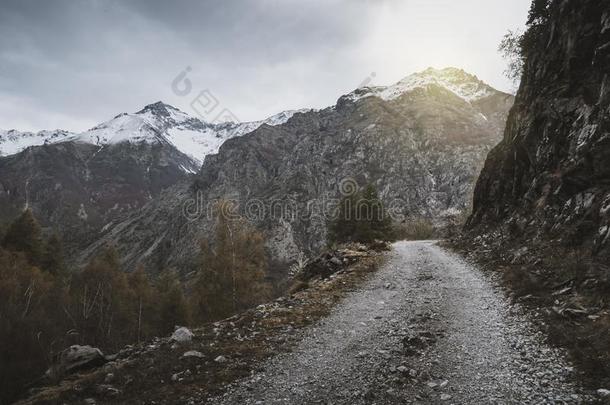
77, 357
604, 393
193, 353
220, 359
182, 335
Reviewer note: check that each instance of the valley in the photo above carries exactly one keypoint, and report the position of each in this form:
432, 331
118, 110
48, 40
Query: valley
433, 240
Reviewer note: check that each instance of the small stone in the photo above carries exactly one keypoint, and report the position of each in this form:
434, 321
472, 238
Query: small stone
336, 261
90, 401
604, 393
175, 377
109, 378
445, 397
193, 353
402, 369
182, 335
432, 384
220, 359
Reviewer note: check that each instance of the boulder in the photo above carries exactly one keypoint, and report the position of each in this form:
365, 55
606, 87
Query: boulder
76, 358
182, 335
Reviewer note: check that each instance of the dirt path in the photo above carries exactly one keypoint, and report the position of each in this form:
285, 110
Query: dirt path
427, 328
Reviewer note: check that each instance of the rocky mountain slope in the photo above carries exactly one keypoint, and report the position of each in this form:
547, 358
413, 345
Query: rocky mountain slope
80, 183
542, 203
421, 147
549, 178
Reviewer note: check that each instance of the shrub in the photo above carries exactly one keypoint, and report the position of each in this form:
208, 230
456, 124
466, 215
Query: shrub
360, 217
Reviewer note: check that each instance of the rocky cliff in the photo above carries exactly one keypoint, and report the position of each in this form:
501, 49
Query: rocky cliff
420, 142
549, 178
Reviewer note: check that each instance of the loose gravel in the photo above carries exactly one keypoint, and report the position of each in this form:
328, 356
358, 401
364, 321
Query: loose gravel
426, 328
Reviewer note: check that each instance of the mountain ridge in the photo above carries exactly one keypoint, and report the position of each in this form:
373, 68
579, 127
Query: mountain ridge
156, 122
424, 147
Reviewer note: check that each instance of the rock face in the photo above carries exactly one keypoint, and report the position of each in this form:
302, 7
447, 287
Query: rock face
420, 142
550, 175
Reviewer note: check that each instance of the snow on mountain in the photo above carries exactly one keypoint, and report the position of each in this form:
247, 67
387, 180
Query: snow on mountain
462, 84
161, 122
156, 122
13, 141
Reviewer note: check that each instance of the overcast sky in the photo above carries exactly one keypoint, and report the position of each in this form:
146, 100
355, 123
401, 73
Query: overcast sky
73, 64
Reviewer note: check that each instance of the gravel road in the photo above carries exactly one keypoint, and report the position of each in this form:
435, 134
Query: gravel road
426, 328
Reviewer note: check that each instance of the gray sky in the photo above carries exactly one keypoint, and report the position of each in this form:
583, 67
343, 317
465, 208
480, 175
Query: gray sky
72, 64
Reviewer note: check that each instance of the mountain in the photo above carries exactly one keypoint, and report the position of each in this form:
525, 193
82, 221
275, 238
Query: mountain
421, 147
155, 123
79, 183
549, 178
13, 141
162, 123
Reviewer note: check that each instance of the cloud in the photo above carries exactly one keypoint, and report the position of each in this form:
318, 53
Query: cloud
73, 64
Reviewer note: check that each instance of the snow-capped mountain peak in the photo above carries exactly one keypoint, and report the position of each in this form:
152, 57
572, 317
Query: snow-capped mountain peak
164, 112
155, 123
464, 85
13, 141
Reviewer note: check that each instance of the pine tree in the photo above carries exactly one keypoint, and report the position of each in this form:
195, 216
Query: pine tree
378, 224
24, 235
29, 322
360, 217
